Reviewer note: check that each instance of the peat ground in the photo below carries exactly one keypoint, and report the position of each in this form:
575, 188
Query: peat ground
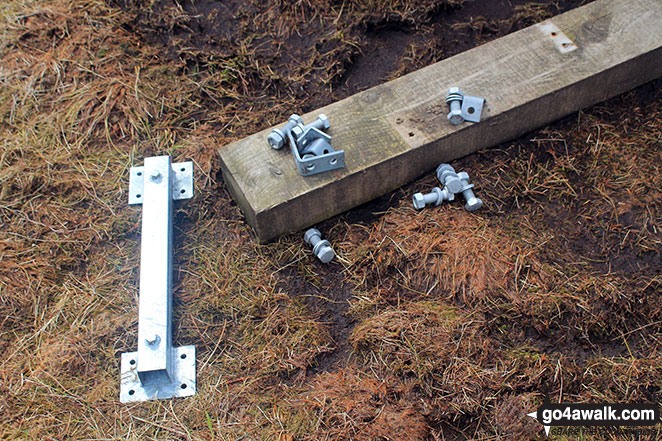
431, 325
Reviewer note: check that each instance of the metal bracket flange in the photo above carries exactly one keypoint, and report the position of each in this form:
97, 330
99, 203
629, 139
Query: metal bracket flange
472, 108
157, 370
316, 164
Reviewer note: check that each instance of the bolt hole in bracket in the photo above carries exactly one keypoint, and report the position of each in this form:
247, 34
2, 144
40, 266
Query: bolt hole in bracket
311, 164
472, 108
157, 370
309, 145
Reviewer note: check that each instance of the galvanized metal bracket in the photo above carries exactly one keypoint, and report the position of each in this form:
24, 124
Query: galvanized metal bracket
472, 108
157, 370
309, 164
182, 183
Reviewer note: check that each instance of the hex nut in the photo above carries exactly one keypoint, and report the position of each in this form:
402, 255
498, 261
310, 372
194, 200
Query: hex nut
453, 91
455, 117
323, 251
473, 204
308, 235
419, 201
276, 139
325, 121
449, 179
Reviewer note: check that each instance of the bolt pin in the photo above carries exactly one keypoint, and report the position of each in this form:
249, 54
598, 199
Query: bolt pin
321, 248
473, 203
454, 99
436, 197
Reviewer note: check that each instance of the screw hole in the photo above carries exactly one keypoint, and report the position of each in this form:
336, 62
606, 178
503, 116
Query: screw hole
411, 133
182, 169
183, 386
183, 191
325, 151
333, 161
138, 195
310, 166
553, 34
131, 392
565, 45
183, 356
139, 173
471, 110
132, 362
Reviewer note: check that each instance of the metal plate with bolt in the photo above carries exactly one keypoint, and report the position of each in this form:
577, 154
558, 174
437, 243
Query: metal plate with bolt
463, 107
310, 146
157, 370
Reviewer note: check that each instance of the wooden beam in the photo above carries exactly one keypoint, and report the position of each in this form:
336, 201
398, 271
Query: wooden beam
398, 131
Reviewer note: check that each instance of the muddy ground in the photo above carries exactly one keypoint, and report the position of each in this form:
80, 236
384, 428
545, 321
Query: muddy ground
431, 325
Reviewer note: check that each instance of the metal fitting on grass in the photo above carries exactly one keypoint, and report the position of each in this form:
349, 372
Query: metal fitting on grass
436, 197
321, 248
449, 179
473, 203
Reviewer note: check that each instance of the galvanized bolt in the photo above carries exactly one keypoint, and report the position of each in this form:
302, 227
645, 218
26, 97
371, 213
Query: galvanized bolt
278, 137
153, 340
321, 248
473, 203
155, 175
436, 197
449, 179
454, 99
321, 123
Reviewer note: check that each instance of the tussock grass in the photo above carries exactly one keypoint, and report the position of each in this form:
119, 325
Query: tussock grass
432, 325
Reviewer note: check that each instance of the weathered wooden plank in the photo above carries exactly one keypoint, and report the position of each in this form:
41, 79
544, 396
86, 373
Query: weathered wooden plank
397, 131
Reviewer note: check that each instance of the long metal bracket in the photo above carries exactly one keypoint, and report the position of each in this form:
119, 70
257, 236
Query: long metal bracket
157, 370
315, 164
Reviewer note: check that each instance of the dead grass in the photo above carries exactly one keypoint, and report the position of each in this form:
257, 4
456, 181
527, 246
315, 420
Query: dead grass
434, 325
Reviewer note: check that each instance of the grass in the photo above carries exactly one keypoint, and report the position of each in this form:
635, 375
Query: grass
431, 325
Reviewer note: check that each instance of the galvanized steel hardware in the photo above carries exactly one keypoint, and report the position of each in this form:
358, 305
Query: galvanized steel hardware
453, 184
436, 197
454, 100
463, 107
157, 370
448, 178
310, 146
472, 202
321, 248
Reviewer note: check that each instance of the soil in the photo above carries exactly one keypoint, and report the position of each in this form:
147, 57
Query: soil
430, 325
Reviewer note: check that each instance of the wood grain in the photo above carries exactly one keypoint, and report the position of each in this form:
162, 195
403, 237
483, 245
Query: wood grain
397, 131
